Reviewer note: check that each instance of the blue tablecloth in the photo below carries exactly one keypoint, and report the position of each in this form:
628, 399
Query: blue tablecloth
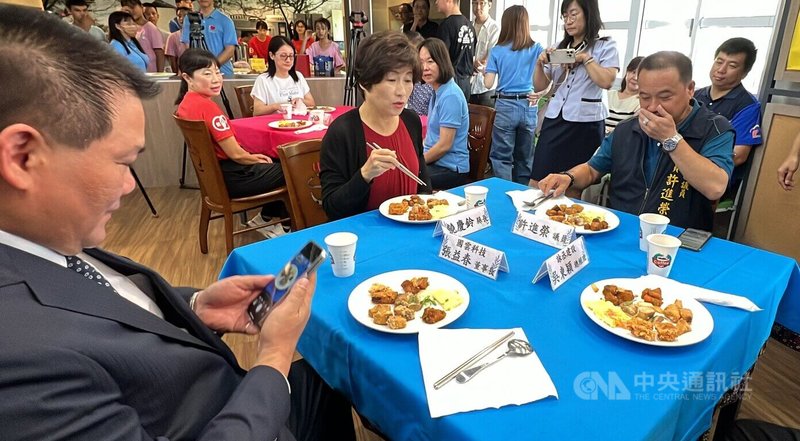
609, 388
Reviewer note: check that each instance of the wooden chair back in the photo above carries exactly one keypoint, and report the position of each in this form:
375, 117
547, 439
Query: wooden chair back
300, 162
245, 100
205, 162
481, 122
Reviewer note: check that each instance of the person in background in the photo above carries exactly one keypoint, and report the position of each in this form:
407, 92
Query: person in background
574, 123
355, 178
219, 33
789, 166
151, 13
421, 24
324, 49
624, 103
406, 15
513, 60
421, 95
459, 38
176, 23
245, 173
302, 37
281, 83
79, 10
488, 31
122, 32
149, 36
446, 152
258, 46
675, 159
174, 47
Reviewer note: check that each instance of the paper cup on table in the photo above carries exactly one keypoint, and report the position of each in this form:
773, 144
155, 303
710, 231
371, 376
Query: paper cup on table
476, 195
326, 119
286, 110
650, 223
661, 252
342, 250
316, 116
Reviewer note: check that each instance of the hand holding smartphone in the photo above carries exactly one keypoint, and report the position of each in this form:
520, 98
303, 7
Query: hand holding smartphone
561, 56
304, 262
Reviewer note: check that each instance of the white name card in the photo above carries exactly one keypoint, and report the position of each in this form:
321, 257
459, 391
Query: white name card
473, 256
546, 231
466, 222
564, 264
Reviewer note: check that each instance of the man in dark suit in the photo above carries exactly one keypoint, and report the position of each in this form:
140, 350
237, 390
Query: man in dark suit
94, 346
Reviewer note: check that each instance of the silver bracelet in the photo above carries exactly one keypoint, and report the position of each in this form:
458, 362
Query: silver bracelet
193, 300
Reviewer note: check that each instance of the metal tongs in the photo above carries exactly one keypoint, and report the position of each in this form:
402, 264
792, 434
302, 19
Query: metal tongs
400, 166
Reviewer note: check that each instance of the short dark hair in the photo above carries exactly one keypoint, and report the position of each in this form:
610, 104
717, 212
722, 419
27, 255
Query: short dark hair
427, 2
130, 3
325, 22
192, 60
115, 34
591, 12
274, 44
149, 5
414, 37
739, 45
381, 53
633, 66
261, 24
441, 57
182, 8
71, 3
668, 60
74, 76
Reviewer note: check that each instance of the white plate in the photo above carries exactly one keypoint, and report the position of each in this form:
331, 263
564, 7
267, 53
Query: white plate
451, 198
326, 109
610, 217
702, 322
303, 124
160, 74
360, 301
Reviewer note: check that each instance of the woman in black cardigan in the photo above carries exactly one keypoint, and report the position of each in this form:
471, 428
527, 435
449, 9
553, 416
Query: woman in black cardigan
354, 177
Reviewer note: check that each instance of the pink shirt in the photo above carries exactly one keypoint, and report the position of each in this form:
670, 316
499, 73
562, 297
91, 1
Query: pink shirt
150, 38
333, 51
174, 46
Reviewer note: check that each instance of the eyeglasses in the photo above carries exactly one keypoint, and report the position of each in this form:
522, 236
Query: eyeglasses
285, 57
571, 18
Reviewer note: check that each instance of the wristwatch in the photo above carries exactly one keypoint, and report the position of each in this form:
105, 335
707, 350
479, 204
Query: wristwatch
571, 177
671, 143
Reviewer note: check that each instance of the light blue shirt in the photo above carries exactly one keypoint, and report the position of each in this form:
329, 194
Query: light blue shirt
514, 68
717, 150
579, 99
219, 32
448, 108
135, 56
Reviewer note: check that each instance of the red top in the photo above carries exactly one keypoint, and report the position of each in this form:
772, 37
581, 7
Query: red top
298, 44
197, 107
393, 182
257, 48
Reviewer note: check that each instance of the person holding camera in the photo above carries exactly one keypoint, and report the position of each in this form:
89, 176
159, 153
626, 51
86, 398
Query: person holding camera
218, 32
573, 123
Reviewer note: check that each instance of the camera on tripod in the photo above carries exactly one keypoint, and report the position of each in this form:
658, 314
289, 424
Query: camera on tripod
357, 19
195, 22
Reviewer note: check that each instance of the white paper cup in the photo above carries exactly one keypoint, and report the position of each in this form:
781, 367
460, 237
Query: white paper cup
342, 250
661, 252
286, 110
316, 116
476, 195
650, 223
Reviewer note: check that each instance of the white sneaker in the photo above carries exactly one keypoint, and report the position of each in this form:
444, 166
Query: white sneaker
272, 231
256, 221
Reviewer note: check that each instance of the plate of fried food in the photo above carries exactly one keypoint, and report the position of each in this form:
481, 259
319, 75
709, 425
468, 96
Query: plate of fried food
290, 124
326, 109
633, 310
587, 219
421, 209
407, 301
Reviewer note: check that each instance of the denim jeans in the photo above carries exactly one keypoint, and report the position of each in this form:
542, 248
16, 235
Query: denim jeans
512, 140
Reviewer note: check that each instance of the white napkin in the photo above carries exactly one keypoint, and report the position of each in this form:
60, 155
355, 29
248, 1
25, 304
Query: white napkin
519, 197
514, 380
314, 128
300, 108
703, 294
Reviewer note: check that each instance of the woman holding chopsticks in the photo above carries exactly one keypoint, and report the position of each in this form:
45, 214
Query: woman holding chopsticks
374, 153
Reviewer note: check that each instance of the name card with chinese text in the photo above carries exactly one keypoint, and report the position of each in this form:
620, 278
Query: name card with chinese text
546, 231
466, 222
564, 264
473, 256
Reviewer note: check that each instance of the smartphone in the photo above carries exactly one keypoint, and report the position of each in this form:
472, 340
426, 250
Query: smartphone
694, 240
562, 56
304, 262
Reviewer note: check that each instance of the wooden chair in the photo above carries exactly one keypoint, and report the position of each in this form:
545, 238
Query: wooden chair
300, 162
245, 100
481, 123
214, 193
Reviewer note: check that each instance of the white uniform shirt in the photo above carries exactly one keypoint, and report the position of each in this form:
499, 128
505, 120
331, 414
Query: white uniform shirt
274, 90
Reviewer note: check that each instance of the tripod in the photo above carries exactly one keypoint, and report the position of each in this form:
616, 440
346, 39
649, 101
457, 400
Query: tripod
356, 34
198, 40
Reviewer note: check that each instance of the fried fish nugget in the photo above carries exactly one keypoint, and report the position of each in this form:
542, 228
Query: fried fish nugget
672, 312
382, 296
380, 309
686, 314
398, 208
381, 318
433, 315
666, 331
404, 311
396, 322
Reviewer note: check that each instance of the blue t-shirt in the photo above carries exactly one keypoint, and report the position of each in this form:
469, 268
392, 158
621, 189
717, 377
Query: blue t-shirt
448, 108
741, 108
133, 54
219, 32
718, 151
515, 68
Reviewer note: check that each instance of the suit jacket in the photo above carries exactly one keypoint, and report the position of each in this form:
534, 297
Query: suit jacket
81, 363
